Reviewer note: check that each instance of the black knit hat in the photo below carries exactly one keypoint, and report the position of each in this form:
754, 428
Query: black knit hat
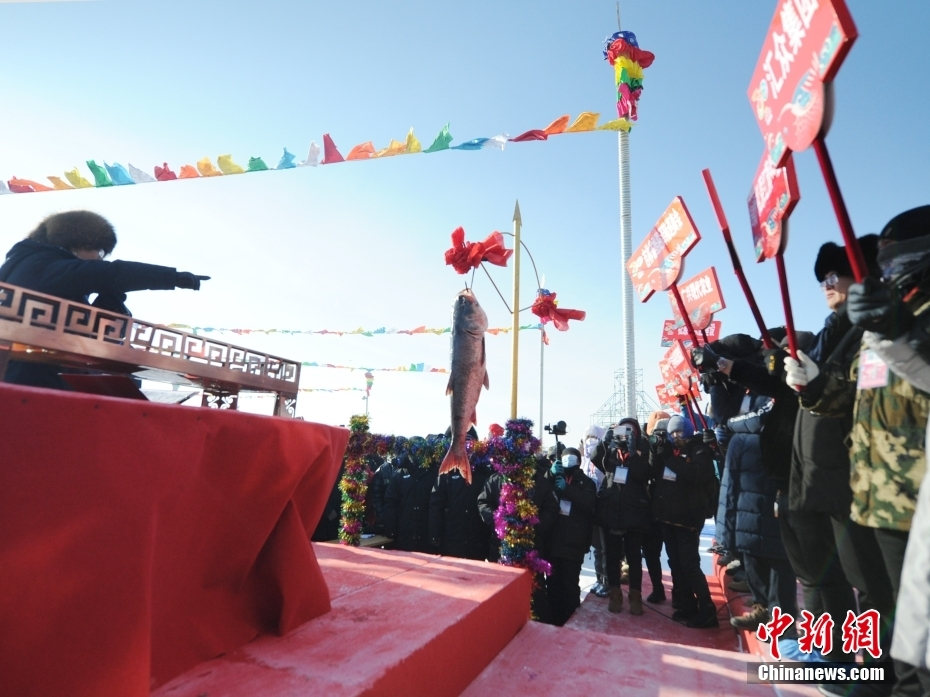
832, 257
907, 225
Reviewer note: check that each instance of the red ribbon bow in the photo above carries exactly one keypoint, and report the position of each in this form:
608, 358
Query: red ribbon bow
545, 307
464, 256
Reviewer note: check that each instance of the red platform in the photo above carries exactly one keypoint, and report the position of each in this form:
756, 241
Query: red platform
164, 550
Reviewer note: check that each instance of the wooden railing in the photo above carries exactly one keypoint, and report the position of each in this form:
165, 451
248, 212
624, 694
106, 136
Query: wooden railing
45, 328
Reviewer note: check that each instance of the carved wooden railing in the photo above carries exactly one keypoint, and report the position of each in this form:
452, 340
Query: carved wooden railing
45, 328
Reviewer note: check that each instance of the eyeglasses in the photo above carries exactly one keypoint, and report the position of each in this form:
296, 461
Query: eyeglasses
831, 280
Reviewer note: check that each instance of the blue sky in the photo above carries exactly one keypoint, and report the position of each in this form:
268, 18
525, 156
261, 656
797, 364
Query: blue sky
360, 244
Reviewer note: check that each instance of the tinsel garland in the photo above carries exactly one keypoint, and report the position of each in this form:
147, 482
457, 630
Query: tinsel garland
356, 475
513, 455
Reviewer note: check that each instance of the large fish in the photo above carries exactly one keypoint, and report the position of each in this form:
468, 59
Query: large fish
468, 373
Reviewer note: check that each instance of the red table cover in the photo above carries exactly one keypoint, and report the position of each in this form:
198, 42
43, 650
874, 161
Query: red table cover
139, 539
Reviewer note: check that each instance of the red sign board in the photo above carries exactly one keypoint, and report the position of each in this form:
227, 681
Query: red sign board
679, 332
656, 264
701, 297
806, 44
676, 369
773, 197
666, 399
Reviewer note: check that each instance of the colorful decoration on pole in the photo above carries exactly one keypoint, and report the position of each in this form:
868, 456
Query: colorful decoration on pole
546, 308
622, 51
466, 256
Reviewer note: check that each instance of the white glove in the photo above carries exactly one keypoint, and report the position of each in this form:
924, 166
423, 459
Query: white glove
799, 373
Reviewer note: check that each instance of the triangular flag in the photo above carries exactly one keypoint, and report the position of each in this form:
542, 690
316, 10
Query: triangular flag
118, 174
164, 173
557, 126
412, 144
26, 186
330, 152
188, 172
77, 181
227, 166
585, 121
313, 155
286, 161
138, 176
616, 125
58, 183
101, 178
257, 164
362, 151
393, 148
530, 135
206, 168
4, 189
442, 140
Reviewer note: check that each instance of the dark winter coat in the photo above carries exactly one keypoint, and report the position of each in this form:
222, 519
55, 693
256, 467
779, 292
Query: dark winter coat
685, 499
747, 491
406, 507
628, 506
455, 525
56, 271
820, 454
571, 533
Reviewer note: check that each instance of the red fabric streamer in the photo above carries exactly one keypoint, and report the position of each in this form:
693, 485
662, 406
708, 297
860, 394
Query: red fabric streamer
546, 308
621, 47
464, 256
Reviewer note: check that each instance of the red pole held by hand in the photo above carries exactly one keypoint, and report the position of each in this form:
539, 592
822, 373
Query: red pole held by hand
853, 250
737, 267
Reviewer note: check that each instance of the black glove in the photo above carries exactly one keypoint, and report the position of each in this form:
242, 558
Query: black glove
704, 359
709, 437
878, 308
186, 279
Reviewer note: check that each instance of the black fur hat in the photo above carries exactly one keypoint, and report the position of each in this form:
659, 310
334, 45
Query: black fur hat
832, 257
907, 225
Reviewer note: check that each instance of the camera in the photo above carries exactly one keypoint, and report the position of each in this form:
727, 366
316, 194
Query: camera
559, 429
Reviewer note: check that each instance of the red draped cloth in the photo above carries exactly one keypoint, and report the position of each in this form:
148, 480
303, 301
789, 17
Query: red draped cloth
139, 539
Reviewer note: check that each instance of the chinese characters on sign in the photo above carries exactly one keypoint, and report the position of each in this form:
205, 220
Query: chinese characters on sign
805, 46
772, 198
656, 263
860, 632
701, 296
676, 331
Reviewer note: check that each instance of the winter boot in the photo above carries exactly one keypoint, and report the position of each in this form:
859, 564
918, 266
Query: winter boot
706, 617
752, 618
615, 599
657, 595
636, 602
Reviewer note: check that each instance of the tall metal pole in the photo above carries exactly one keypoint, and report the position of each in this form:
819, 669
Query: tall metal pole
515, 332
542, 351
627, 350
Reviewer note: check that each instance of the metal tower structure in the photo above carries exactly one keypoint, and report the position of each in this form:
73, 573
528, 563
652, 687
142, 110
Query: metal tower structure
615, 407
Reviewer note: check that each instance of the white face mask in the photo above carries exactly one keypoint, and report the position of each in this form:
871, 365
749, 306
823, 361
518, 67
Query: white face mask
569, 461
590, 447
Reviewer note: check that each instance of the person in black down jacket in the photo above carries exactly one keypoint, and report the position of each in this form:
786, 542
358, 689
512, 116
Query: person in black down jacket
683, 468
64, 256
406, 504
571, 534
455, 525
624, 510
